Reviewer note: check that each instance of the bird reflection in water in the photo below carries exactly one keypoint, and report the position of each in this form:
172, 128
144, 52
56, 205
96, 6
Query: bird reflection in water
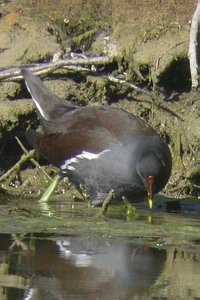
92, 269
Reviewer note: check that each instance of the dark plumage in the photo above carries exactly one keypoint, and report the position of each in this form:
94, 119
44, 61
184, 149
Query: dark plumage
101, 148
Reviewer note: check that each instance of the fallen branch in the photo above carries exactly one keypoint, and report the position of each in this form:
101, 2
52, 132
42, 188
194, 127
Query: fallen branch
154, 98
78, 64
34, 162
46, 68
17, 166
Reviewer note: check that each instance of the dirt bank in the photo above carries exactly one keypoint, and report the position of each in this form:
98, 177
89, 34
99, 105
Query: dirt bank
147, 42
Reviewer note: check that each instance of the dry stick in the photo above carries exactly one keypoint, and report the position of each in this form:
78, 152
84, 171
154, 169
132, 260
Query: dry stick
194, 46
48, 71
180, 187
17, 166
46, 68
11, 191
141, 91
52, 66
78, 69
33, 160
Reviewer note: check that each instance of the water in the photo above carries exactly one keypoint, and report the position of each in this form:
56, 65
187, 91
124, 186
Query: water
37, 266
73, 254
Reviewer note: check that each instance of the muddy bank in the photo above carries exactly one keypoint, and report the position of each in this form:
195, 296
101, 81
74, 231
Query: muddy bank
145, 48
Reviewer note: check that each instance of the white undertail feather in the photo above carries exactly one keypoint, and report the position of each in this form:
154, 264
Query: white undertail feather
36, 103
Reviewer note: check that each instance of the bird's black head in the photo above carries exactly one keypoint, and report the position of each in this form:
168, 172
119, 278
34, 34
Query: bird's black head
154, 169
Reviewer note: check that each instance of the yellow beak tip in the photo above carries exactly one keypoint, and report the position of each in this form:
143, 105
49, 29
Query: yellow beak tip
150, 201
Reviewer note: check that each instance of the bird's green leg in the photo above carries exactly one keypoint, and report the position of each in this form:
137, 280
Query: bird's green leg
51, 189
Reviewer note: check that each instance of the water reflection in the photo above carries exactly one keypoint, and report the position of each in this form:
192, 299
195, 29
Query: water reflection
88, 269
78, 269
39, 268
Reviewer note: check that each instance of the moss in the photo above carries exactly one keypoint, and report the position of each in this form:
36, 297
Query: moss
84, 40
11, 112
158, 30
77, 33
9, 90
74, 26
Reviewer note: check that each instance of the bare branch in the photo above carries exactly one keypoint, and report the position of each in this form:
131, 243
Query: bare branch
46, 175
17, 166
194, 47
45, 68
83, 63
153, 98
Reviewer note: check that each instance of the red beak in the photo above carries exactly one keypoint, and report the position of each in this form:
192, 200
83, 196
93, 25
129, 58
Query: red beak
150, 185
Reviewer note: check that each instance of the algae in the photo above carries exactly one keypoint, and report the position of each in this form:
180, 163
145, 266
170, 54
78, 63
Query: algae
69, 217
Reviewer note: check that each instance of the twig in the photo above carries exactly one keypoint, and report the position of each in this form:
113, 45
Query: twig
180, 187
17, 166
45, 68
124, 82
78, 69
78, 64
33, 160
153, 97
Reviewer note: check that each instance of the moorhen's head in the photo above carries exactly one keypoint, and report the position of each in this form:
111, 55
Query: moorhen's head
154, 167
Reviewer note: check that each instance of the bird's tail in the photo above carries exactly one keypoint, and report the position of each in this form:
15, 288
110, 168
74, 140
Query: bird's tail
48, 105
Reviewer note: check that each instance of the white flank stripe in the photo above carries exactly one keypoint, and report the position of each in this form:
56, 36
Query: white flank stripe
84, 155
69, 168
89, 155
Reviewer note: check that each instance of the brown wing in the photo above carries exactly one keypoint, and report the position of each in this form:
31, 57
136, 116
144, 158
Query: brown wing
91, 129
118, 122
59, 147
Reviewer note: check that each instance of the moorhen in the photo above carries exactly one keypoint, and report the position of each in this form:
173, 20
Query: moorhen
99, 148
